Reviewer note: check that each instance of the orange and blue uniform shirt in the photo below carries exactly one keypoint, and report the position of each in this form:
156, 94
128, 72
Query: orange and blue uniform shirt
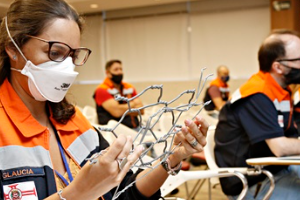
260, 109
223, 89
26, 168
106, 91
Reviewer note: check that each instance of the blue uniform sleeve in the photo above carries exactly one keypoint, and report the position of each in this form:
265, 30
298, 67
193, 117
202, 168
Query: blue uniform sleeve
259, 118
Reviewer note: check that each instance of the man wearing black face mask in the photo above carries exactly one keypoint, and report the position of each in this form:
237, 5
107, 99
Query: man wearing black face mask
258, 121
218, 90
293, 76
107, 107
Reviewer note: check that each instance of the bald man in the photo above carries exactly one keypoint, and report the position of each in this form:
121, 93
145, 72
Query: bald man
258, 121
218, 90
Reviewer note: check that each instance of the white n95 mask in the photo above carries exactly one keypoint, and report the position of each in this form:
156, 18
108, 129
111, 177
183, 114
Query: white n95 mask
47, 81
50, 80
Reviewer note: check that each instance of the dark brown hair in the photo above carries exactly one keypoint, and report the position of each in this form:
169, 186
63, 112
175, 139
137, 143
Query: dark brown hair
111, 62
273, 49
30, 17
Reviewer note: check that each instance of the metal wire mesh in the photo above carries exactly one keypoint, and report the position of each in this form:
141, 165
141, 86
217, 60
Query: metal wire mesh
146, 127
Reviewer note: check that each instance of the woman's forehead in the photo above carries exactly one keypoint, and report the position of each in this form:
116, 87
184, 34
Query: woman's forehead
62, 30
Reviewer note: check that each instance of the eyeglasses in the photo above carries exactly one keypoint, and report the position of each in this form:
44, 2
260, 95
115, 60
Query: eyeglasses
285, 59
59, 51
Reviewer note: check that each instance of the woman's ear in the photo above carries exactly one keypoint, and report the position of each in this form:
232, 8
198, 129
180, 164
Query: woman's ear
11, 52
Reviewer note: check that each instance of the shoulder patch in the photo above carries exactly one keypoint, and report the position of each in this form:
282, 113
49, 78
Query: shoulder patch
20, 191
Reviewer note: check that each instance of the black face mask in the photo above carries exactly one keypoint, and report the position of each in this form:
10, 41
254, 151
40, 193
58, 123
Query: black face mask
225, 78
117, 78
293, 76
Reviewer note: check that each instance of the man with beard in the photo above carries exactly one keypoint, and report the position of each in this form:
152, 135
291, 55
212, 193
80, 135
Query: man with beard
107, 107
258, 121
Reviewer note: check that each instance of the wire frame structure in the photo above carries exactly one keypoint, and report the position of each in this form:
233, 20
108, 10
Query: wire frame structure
146, 128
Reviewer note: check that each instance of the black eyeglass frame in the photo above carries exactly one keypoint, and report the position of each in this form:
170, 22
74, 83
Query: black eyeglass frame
286, 59
71, 52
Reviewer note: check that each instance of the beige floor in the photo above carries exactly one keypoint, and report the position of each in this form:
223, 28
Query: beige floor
202, 194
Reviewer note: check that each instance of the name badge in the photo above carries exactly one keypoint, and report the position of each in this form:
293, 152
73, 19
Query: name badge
22, 172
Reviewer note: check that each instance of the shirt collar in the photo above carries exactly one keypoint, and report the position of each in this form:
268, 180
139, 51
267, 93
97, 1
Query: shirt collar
68, 127
276, 90
222, 83
18, 112
108, 82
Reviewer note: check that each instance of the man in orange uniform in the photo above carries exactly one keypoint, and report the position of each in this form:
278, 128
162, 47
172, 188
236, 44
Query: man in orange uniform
258, 121
218, 90
107, 107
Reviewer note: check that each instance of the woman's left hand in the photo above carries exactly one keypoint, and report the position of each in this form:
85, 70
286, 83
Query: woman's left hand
192, 139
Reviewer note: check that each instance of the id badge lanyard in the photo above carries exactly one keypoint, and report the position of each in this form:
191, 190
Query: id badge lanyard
61, 150
66, 166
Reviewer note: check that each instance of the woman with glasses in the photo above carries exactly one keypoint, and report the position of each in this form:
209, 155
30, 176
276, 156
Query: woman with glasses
47, 147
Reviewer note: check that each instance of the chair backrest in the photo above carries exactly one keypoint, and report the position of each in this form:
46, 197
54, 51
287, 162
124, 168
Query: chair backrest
90, 113
209, 148
210, 155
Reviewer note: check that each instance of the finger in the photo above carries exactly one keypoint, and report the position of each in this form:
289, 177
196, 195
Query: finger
202, 125
187, 146
195, 132
126, 149
191, 139
131, 159
189, 150
179, 137
115, 149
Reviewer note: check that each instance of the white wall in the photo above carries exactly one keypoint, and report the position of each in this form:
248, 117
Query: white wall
152, 48
231, 38
173, 47
93, 39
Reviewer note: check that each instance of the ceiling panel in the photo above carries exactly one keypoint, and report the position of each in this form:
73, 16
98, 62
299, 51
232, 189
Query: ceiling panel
84, 6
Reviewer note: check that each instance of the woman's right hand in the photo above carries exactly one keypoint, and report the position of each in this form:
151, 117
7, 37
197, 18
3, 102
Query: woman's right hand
94, 180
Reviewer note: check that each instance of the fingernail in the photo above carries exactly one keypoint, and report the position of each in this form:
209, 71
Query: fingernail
129, 137
141, 148
184, 130
187, 122
198, 118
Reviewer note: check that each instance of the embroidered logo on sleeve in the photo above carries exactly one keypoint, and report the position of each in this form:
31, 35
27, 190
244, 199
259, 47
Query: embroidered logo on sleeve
20, 191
